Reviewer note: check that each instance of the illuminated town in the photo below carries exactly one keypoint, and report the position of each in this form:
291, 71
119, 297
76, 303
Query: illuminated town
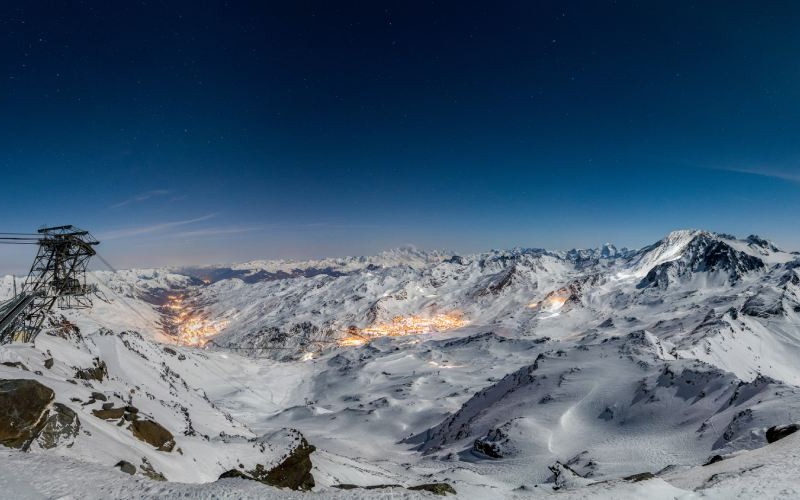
401, 326
189, 327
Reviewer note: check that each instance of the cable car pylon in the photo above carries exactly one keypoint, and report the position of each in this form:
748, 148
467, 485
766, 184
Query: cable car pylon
57, 277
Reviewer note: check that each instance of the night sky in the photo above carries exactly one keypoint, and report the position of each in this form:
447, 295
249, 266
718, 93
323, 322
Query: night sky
204, 131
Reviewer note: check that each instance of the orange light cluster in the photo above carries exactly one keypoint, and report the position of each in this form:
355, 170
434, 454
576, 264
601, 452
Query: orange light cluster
190, 327
404, 325
551, 303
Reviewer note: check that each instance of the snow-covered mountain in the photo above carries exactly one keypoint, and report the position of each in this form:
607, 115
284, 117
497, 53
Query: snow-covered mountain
504, 373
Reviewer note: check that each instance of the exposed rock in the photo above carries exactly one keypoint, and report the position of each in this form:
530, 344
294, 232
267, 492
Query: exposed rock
713, 460
435, 488
781, 431
347, 486
504, 281
61, 427
487, 448
126, 467
99, 396
15, 364
23, 411
767, 303
703, 254
148, 470
62, 327
608, 323
109, 413
98, 372
607, 414
153, 433
455, 259
294, 472
48, 363
642, 476
496, 443
108, 406
565, 478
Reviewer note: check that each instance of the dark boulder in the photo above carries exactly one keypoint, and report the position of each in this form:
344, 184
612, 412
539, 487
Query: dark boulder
24, 408
109, 413
61, 427
781, 431
293, 472
153, 433
126, 467
99, 396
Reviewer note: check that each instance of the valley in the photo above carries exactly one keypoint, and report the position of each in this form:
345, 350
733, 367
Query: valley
519, 373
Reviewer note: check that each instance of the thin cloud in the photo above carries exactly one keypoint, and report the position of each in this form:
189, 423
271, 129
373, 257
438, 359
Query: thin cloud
328, 225
154, 228
764, 172
142, 197
215, 231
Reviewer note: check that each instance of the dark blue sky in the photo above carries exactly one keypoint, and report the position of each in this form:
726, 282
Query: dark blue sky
188, 131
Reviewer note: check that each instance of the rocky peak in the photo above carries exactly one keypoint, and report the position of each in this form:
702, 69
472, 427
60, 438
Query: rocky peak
702, 252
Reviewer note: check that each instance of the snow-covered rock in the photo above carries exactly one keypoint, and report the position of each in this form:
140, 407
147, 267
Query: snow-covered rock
609, 363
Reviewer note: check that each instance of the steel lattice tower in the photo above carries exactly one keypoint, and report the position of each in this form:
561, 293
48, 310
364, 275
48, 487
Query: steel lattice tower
57, 277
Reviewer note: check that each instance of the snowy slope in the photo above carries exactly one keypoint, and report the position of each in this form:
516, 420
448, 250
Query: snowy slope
611, 361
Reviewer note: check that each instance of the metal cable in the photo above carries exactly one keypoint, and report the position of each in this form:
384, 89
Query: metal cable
122, 299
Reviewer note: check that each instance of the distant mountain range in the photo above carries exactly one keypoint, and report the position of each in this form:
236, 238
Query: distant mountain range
521, 367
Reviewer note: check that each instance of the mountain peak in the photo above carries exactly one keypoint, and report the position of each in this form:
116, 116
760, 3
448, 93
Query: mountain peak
685, 253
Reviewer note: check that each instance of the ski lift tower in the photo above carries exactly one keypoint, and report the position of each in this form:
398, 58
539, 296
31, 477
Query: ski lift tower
57, 277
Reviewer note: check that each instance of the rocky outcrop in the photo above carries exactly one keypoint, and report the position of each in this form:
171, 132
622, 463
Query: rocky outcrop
293, 472
153, 433
487, 448
99, 396
781, 431
149, 471
24, 406
15, 364
98, 372
703, 254
435, 488
766, 304
109, 413
61, 427
441, 489
564, 478
642, 476
495, 444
